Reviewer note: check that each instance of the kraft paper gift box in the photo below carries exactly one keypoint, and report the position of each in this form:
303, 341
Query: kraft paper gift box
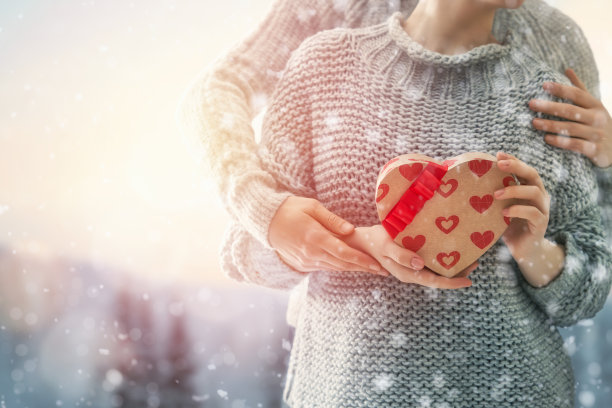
444, 211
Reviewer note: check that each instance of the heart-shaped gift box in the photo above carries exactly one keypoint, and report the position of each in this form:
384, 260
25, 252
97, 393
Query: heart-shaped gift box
445, 212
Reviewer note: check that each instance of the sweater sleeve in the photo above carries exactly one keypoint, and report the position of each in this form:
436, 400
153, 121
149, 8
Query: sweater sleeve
581, 288
557, 39
217, 108
246, 259
286, 154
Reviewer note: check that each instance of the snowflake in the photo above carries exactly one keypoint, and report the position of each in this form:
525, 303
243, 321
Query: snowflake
228, 121
523, 120
570, 345
382, 382
500, 388
304, 14
586, 398
398, 339
572, 263
332, 121
552, 307
432, 293
373, 136
438, 380
594, 369
258, 101
340, 5
377, 293
3, 208
600, 273
425, 401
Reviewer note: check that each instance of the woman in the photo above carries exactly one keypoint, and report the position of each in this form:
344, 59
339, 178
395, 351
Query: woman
437, 83
223, 100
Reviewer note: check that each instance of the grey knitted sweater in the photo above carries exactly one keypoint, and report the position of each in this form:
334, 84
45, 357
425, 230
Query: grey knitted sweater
221, 102
348, 101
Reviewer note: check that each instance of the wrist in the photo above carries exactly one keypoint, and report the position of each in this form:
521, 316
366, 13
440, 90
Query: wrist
541, 263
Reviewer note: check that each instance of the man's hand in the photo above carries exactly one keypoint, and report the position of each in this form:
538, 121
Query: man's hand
402, 263
589, 130
303, 233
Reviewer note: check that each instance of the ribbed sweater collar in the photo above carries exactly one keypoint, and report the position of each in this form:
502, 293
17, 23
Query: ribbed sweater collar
388, 49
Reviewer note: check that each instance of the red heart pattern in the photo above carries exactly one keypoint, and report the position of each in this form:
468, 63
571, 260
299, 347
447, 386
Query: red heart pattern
481, 204
413, 243
447, 188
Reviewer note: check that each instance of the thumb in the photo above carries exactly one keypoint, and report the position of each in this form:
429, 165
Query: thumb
331, 221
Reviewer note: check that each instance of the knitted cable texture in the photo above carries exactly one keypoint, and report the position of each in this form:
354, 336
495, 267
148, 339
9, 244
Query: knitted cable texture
348, 101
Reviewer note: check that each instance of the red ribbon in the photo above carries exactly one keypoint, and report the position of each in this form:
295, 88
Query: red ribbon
412, 201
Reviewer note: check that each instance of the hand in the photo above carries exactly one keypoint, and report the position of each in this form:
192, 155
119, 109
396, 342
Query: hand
530, 217
402, 263
590, 128
302, 232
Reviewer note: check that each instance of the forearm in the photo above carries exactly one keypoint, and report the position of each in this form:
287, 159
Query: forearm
543, 264
243, 258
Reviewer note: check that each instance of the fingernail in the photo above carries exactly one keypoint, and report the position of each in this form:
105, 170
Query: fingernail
499, 193
417, 263
346, 227
503, 163
505, 211
375, 268
547, 85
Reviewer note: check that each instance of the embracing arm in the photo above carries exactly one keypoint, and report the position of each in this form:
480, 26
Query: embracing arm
221, 102
557, 39
285, 155
579, 290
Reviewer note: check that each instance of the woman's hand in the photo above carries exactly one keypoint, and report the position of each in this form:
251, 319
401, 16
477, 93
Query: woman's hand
529, 218
302, 232
590, 128
402, 263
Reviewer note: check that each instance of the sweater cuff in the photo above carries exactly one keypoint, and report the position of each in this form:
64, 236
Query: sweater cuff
245, 259
256, 207
563, 286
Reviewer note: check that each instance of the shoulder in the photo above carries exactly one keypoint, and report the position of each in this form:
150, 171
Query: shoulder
555, 38
334, 38
321, 49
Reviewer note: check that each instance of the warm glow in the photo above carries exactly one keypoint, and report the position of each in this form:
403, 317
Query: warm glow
92, 164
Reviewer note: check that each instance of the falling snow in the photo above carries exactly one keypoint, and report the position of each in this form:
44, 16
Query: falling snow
382, 382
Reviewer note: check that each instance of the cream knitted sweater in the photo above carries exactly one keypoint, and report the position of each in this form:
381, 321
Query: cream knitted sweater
348, 101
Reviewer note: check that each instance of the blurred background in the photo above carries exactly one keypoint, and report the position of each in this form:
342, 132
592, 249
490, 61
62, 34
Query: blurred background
111, 292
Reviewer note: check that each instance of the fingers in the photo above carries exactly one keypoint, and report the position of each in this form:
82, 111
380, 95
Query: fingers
536, 219
508, 163
585, 147
525, 192
580, 96
346, 257
404, 257
573, 77
330, 220
568, 129
562, 110
425, 276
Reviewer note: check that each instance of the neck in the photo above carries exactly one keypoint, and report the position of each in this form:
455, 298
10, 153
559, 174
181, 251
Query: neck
451, 26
